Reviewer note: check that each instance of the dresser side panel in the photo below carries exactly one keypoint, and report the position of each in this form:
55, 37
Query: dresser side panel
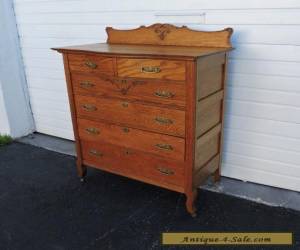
211, 72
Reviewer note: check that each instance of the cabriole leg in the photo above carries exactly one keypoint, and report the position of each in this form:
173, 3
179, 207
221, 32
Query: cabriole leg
81, 170
190, 202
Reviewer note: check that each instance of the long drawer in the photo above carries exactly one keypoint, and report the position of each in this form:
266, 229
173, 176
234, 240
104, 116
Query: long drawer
159, 144
151, 68
133, 114
133, 164
165, 92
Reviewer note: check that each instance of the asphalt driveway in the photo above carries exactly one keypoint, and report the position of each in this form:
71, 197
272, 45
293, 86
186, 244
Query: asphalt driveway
44, 206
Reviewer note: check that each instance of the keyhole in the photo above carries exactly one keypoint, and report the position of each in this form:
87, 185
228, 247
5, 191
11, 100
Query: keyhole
125, 104
125, 130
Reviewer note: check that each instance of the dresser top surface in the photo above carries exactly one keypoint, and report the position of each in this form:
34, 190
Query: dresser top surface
144, 50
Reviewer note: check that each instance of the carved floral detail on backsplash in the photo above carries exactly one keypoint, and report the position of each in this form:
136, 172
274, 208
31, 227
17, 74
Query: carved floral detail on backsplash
162, 30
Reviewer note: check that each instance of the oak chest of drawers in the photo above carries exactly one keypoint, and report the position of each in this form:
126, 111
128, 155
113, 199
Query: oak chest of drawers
149, 103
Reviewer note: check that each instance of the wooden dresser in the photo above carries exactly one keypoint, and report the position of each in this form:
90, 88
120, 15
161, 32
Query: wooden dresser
148, 104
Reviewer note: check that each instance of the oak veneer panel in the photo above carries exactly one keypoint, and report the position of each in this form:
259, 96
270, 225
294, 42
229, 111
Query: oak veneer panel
160, 91
207, 146
210, 61
133, 163
159, 144
200, 175
209, 81
134, 114
168, 69
208, 112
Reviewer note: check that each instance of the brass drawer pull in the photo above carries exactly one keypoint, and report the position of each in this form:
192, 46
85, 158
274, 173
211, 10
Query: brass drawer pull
93, 131
89, 107
165, 171
151, 69
163, 120
164, 146
164, 94
95, 152
91, 64
87, 85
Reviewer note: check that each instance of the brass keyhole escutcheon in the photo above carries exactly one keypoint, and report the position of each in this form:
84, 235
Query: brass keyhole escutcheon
128, 152
125, 130
125, 104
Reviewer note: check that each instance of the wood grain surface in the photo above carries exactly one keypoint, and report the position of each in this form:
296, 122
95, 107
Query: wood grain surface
161, 91
132, 114
132, 138
167, 34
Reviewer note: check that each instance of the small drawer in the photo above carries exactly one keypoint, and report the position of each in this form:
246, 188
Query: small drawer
164, 92
134, 164
134, 114
158, 144
90, 63
151, 68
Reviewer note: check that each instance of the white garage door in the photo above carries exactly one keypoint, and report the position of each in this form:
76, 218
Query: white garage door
262, 131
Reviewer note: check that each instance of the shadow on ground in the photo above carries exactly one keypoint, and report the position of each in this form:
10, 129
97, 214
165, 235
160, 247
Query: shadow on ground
43, 206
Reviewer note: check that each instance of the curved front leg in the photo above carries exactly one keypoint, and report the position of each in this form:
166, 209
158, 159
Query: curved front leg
190, 202
81, 169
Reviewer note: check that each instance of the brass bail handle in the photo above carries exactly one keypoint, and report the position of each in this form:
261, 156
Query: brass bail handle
164, 146
87, 84
93, 131
165, 171
96, 153
91, 64
150, 69
89, 107
164, 94
163, 120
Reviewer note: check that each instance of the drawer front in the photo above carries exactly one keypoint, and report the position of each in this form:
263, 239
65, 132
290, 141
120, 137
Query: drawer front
162, 145
90, 63
151, 68
132, 163
133, 114
148, 90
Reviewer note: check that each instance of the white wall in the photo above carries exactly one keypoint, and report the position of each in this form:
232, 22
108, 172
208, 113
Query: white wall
15, 115
4, 124
262, 131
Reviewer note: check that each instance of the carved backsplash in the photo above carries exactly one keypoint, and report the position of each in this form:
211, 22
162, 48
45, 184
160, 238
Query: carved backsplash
168, 34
